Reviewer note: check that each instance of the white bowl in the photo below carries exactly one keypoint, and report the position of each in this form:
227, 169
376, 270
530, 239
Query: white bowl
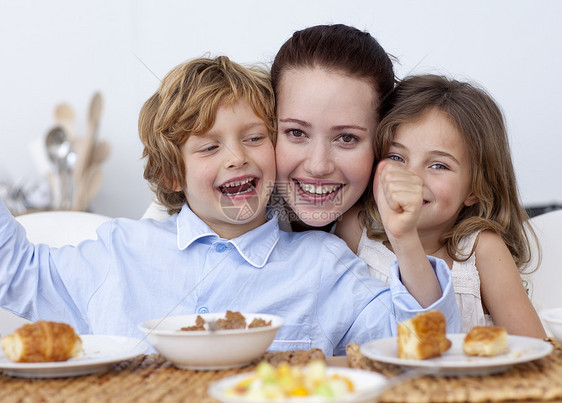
368, 385
553, 319
207, 350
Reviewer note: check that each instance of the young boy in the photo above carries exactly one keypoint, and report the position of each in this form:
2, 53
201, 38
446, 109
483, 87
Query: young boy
208, 135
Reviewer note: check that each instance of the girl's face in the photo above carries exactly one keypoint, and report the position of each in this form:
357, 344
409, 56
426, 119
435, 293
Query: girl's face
324, 152
433, 149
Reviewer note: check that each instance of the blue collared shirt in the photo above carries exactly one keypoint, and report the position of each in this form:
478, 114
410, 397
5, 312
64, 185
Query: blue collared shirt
140, 270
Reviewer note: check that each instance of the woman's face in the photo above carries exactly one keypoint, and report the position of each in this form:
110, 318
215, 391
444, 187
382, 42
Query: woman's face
326, 122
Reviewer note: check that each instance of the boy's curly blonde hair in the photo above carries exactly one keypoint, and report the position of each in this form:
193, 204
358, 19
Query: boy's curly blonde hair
186, 104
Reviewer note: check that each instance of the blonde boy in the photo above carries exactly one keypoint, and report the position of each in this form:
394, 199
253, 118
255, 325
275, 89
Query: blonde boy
208, 134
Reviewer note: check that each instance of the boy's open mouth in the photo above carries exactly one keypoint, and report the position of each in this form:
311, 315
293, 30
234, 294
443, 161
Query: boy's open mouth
236, 188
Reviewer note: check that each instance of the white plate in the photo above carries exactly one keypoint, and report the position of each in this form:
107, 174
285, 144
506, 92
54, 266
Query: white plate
368, 385
455, 362
99, 353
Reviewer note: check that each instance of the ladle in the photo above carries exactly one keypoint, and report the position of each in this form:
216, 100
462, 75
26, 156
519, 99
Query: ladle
58, 148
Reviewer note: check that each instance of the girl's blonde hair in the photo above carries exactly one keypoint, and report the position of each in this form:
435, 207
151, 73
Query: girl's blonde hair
186, 104
479, 120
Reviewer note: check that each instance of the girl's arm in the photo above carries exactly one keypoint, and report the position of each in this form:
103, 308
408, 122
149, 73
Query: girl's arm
398, 193
502, 289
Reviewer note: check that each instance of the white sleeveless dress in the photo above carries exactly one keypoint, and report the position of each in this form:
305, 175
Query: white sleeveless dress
466, 281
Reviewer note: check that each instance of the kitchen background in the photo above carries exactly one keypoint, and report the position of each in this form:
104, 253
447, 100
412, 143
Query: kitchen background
64, 51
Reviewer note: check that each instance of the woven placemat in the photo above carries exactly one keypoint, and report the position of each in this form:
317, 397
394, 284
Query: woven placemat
539, 380
147, 378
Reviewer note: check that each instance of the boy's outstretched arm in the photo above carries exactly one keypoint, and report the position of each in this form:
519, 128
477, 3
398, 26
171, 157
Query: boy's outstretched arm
398, 193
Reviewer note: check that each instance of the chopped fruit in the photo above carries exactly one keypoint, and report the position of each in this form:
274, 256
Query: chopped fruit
286, 381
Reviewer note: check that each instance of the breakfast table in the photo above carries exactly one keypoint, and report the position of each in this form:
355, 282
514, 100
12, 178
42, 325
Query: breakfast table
151, 378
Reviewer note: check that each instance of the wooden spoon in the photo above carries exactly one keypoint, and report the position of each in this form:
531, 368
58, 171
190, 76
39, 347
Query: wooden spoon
85, 157
88, 187
64, 116
101, 152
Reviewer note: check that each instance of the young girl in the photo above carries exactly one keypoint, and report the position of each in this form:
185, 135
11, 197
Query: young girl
445, 186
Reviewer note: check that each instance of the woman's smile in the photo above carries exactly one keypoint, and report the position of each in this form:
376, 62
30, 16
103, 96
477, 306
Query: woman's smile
321, 192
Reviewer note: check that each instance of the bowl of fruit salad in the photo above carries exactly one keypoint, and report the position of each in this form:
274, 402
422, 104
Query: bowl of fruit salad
314, 382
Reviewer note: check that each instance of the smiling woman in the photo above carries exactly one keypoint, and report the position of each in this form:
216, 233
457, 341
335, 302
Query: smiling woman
329, 82
326, 121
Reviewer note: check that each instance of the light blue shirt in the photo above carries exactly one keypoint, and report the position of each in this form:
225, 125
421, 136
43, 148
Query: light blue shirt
140, 270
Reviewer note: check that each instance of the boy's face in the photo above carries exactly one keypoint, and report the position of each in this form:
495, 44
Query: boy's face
230, 171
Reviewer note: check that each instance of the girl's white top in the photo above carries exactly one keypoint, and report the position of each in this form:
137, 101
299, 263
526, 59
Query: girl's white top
466, 280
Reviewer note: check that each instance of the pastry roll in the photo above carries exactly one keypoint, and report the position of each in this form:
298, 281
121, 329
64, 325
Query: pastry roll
42, 341
423, 336
485, 341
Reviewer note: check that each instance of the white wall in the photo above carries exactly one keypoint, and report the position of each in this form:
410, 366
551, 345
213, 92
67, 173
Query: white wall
62, 50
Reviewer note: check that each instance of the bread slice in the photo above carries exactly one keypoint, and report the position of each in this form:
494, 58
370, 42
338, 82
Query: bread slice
485, 341
423, 336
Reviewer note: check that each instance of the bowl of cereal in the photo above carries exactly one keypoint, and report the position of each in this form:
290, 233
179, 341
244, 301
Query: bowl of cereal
213, 340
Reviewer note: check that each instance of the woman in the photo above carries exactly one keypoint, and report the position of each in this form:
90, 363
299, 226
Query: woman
330, 83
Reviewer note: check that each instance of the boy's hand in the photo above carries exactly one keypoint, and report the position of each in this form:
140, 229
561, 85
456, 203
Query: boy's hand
399, 196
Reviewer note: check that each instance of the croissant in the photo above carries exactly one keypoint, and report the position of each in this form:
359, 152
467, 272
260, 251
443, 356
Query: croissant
42, 341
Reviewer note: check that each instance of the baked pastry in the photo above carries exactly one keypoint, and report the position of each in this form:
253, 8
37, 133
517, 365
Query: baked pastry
423, 336
42, 341
485, 341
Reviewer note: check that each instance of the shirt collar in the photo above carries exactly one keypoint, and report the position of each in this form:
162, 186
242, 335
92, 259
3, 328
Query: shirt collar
254, 246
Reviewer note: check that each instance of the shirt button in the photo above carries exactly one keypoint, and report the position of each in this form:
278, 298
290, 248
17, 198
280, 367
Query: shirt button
220, 248
203, 310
